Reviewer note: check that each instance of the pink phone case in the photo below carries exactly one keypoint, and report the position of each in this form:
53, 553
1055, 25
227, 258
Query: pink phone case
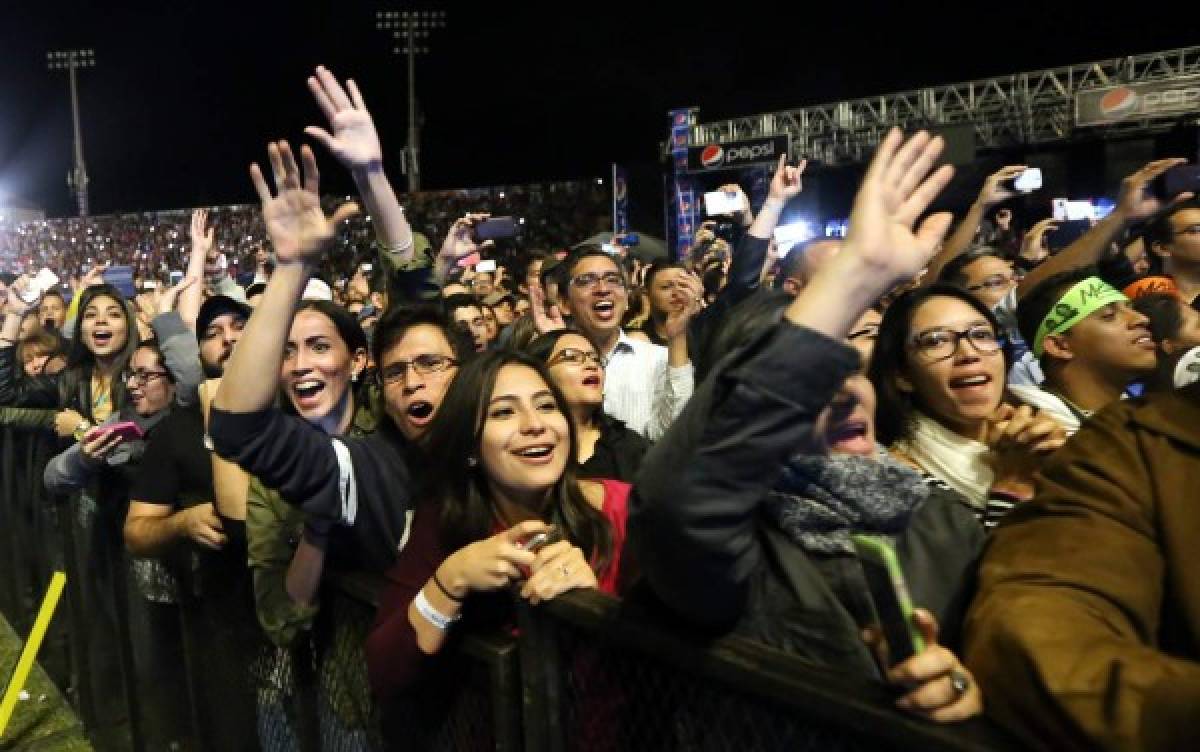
127, 430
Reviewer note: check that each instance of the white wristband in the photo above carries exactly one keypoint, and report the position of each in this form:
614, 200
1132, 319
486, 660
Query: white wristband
431, 614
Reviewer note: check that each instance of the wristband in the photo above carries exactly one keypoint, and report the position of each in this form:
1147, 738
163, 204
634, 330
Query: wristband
444, 589
431, 614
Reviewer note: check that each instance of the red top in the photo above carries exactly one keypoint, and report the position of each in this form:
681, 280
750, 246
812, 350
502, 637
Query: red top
393, 658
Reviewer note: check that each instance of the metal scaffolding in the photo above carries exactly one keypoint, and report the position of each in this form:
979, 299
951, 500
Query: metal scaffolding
1015, 110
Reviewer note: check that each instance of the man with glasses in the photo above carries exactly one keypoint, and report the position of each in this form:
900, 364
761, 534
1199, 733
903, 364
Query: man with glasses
1090, 341
646, 385
1175, 238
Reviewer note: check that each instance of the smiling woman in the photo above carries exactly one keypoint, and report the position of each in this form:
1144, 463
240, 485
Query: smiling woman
939, 370
504, 448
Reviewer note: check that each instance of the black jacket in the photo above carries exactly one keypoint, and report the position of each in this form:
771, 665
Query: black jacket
618, 454
361, 483
696, 526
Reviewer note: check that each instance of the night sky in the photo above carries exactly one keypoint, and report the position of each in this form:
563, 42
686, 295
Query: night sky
185, 95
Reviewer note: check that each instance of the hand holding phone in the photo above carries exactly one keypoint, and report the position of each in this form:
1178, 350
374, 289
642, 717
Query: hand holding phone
888, 592
127, 430
721, 202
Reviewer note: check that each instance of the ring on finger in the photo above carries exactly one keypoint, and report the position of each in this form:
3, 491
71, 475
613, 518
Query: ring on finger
959, 682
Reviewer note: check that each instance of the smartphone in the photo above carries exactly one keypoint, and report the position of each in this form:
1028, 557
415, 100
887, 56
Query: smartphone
367, 267
1066, 233
121, 277
889, 595
1027, 182
495, 228
535, 543
720, 202
38, 285
1175, 181
488, 265
149, 284
127, 430
175, 277
609, 248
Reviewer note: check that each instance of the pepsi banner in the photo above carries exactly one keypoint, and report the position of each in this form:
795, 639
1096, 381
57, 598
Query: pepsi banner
737, 154
1152, 99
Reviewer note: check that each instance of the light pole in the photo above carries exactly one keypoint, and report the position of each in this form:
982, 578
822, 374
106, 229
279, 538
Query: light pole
70, 61
413, 27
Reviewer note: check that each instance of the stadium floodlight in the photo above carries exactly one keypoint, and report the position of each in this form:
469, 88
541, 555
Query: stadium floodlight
71, 61
412, 29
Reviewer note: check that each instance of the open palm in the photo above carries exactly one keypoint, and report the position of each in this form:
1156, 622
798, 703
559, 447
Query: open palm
896, 190
354, 141
298, 228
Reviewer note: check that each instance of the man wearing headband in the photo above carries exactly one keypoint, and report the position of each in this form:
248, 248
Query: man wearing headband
1090, 341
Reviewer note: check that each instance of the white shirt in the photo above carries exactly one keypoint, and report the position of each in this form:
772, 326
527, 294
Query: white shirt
641, 390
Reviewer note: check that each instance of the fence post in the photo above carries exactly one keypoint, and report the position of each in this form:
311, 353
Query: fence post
541, 680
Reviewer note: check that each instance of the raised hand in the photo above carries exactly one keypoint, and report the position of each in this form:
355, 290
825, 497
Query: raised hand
94, 276
545, 319
677, 321
1033, 246
166, 298
1133, 202
786, 183
993, 191
202, 234
895, 191
17, 304
354, 141
460, 241
299, 230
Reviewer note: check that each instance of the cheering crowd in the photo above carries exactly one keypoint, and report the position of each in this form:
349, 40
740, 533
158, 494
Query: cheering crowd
709, 433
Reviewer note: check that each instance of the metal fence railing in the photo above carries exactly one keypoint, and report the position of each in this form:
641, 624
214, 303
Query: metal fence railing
585, 672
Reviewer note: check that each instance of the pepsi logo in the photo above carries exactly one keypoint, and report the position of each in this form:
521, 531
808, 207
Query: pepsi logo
1119, 102
712, 155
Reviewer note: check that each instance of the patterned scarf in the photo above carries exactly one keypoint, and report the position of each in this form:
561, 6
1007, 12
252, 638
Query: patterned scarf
820, 500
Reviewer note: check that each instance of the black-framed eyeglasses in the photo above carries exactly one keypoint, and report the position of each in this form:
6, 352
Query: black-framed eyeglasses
995, 282
588, 280
422, 364
141, 377
574, 356
934, 345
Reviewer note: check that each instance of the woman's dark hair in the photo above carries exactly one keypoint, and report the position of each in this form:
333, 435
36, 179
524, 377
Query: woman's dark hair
543, 345
81, 362
461, 488
394, 324
1165, 312
521, 332
894, 409
954, 273
745, 322
347, 326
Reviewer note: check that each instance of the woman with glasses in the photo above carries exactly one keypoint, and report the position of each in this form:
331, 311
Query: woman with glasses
606, 447
939, 370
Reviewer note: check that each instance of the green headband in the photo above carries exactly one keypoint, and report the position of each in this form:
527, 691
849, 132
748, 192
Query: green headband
1081, 301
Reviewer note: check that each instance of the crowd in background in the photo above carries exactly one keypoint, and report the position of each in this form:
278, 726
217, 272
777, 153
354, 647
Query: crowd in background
379, 385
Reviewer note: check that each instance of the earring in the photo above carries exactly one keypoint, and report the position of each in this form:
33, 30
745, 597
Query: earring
472, 461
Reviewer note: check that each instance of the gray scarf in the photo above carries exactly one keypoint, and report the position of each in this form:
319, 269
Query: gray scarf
820, 500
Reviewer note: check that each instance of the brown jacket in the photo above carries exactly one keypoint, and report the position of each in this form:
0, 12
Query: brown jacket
1085, 632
